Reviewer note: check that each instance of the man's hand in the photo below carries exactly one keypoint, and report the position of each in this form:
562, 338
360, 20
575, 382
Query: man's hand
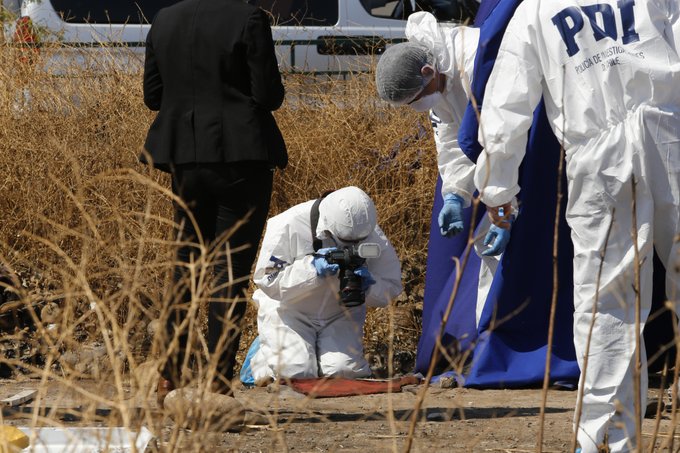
451, 215
323, 267
498, 238
366, 278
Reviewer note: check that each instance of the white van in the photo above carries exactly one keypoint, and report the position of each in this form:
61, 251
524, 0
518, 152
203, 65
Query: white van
316, 36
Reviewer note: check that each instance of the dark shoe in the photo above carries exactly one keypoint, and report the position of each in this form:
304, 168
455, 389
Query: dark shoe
654, 405
164, 387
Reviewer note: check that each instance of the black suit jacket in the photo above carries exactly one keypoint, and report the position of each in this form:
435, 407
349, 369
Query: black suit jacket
211, 72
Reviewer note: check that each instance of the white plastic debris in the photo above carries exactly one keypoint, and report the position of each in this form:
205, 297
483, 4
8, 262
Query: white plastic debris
86, 440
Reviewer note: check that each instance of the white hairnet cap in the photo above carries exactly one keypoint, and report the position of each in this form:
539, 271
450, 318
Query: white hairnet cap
348, 214
398, 76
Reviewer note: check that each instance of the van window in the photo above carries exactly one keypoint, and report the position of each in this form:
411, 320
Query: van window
109, 11
444, 10
300, 12
390, 9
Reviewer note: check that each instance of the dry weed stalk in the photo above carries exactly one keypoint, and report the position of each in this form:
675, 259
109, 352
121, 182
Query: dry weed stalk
553, 300
637, 384
438, 347
657, 415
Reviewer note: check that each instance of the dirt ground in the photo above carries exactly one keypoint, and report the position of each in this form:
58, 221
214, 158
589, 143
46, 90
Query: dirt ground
452, 420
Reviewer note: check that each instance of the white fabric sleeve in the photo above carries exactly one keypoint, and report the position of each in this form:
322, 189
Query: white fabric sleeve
455, 168
673, 31
385, 270
512, 93
278, 273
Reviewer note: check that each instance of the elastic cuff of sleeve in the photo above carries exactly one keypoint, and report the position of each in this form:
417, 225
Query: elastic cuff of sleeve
453, 197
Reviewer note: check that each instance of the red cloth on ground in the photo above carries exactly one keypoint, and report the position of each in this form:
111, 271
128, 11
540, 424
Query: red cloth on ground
333, 387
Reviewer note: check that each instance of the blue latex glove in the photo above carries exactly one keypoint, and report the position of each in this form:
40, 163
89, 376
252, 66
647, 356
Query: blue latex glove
498, 238
451, 215
366, 277
323, 267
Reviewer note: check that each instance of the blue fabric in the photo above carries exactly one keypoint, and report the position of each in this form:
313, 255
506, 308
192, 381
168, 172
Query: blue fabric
492, 22
509, 347
511, 351
439, 281
246, 373
484, 11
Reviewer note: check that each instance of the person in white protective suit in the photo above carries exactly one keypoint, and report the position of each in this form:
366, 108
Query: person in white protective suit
609, 72
433, 71
305, 328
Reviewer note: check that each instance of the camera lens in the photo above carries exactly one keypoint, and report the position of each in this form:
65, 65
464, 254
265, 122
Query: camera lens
351, 294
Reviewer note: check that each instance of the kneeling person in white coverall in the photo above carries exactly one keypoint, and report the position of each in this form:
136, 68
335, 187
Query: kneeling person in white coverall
306, 328
433, 71
609, 72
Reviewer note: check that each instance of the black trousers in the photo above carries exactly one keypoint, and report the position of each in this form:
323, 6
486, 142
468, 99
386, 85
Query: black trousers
218, 196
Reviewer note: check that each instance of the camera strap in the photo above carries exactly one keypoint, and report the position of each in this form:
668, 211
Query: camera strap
314, 219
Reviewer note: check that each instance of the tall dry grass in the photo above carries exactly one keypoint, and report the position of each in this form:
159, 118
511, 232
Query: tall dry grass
86, 235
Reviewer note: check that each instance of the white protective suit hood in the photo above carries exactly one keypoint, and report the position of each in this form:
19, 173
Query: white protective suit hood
422, 28
348, 214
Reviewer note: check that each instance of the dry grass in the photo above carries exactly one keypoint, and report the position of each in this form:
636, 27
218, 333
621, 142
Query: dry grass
86, 231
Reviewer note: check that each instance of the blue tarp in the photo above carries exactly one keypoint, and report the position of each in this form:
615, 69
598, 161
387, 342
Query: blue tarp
509, 347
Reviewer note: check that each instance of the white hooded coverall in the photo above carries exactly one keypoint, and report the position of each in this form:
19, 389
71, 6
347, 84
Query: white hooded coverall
304, 330
610, 75
454, 50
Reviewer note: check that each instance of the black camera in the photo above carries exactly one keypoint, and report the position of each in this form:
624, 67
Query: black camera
350, 258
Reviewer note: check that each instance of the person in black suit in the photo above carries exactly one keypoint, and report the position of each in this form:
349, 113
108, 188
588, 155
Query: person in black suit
211, 73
